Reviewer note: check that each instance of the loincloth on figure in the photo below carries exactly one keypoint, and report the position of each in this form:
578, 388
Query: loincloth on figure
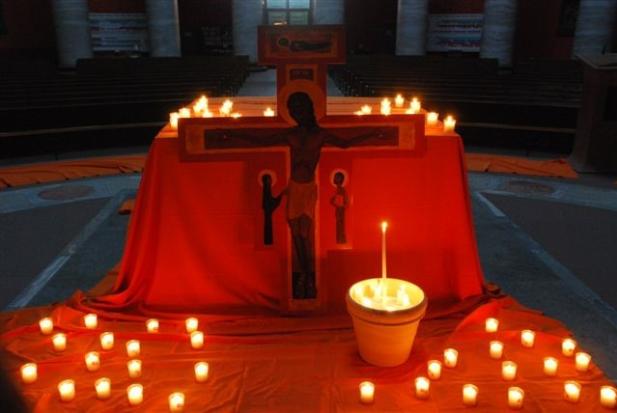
301, 199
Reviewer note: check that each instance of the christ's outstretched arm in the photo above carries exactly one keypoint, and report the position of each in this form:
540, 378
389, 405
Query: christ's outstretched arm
331, 139
228, 137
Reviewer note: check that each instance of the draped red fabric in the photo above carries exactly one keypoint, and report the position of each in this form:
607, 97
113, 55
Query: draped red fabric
194, 243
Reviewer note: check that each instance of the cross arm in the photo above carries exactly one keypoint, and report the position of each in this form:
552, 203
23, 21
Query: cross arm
383, 134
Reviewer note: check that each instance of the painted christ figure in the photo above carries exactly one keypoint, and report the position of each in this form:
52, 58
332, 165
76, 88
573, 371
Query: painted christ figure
305, 142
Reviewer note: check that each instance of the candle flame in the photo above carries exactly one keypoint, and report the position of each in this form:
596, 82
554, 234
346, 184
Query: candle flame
399, 100
386, 107
384, 226
268, 112
226, 107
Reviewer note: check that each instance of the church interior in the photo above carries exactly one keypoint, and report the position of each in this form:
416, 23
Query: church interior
308, 205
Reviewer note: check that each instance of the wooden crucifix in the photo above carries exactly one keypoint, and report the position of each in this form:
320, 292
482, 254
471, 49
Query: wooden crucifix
301, 129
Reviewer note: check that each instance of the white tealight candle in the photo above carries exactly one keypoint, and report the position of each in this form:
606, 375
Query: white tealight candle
197, 339
201, 371
496, 349
449, 123
91, 321
450, 357
568, 346
470, 395
516, 396
432, 118
191, 324
59, 341
528, 337
367, 392
173, 119
135, 394
582, 361
29, 373
550, 366
386, 107
152, 325
107, 340
366, 109
423, 386
572, 391
491, 325
184, 112
176, 402
133, 348
66, 389
268, 112
414, 106
608, 397
399, 101
46, 325
434, 369
93, 361
508, 370
103, 388
134, 368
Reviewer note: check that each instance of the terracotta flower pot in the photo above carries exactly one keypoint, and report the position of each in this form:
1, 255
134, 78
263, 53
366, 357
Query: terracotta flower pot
385, 329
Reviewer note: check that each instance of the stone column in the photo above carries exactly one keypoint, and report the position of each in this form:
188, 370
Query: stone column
247, 15
72, 31
498, 31
163, 28
411, 27
329, 12
594, 27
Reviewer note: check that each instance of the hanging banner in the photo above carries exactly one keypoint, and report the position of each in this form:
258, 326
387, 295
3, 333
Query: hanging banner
454, 32
119, 32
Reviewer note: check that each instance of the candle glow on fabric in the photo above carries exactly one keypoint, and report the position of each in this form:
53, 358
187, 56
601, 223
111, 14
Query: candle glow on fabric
450, 357
491, 325
432, 118
367, 392
134, 368
572, 391
550, 366
201, 371
434, 369
386, 107
568, 346
191, 324
608, 397
133, 348
92, 360
268, 112
496, 349
582, 361
423, 386
399, 101
152, 325
91, 321
29, 373
176, 402
414, 106
59, 341
103, 388
107, 340
516, 397
46, 325
135, 394
470, 395
508, 370
66, 389
528, 338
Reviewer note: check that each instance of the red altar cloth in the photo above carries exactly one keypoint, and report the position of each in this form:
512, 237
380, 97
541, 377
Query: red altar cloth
194, 240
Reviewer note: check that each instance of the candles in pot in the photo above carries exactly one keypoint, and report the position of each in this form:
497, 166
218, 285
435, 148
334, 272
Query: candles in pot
103, 388
133, 348
91, 321
152, 325
92, 360
107, 340
29, 373
66, 390
59, 341
568, 347
582, 361
423, 386
496, 349
46, 325
508, 370
608, 397
572, 391
528, 338
470, 395
550, 366
516, 397
491, 325
450, 357
434, 369
367, 392
191, 324
135, 394
134, 368
197, 339
201, 371
176, 402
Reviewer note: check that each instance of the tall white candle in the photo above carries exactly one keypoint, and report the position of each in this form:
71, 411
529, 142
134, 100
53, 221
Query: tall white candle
367, 392
66, 389
176, 402
92, 360
434, 369
550, 366
133, 348
423, 386
29, 373
572, 391
91, 321
568, 346
201, 371
107, 340
582, 361
450, 357
135, 394
103, 388
384, 267
608, 397
470, 395
516, 396
46, 325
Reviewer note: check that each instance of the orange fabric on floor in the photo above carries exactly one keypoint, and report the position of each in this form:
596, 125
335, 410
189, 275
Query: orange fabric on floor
557, 168
276, 364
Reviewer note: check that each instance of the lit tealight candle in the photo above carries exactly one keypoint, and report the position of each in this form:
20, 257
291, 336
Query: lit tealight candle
470, 395
414, 106
367, 392
46, 325
176, 402
29, 373
423, 386
432, 118
608, 397
103, 388
197, 339
582, 361
134, 368
508, 370
516, 396
133, 348
184, 112
572, 391
268, 112
449, 123
226, 108
135, 394
399, 101
386, 107
59, 341
191, 324
173, 119
568, 347
152, 325
236, 115
107, 340
366, 109
201, 371
93, 361
491, 325
528, 338
66, 389
91, 321
496, 349
550, 366
434, 369
450, 357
